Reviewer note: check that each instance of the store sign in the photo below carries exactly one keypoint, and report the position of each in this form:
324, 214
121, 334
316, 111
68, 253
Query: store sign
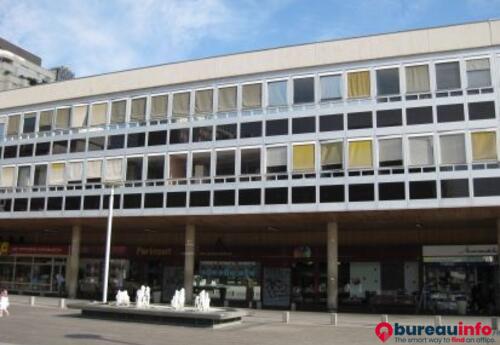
38, 250
472, 250
4, 248
148, 251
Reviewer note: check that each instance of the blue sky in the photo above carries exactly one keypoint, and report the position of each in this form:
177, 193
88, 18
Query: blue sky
97, 36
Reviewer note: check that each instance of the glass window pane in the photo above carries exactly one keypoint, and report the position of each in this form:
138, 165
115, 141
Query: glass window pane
303, 157
63, 118
134, 169
250, 161
331, 155
99, 114
159, 107
118, 111
252, 96
79, 118
156, 167
45, 123
448, 76
225, 163
484, 146
421, 150
227, 99
13, 124
277, 92
303, 90
417, 79
358, 84
452, 149
75, 171
24, 176
114, 169
8, 176
478, 73
388, 81
40, 175
276, 159
331, 87
390, 152
138, 110
201, 164
29, 123
181, 104
56, 176
204, 101
360, 154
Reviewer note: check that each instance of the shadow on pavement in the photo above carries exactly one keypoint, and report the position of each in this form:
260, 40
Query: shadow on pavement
96, 337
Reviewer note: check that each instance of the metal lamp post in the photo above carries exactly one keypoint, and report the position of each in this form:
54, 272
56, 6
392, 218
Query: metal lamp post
108, 245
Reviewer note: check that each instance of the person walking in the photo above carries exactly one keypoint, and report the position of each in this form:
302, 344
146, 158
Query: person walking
60, 284
4, 303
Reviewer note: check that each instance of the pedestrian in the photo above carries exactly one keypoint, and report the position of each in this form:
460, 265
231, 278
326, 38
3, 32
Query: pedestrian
4, 303
60, 283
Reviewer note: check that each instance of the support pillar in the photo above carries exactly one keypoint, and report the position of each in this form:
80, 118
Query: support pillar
190, 238
74, 261
332, 266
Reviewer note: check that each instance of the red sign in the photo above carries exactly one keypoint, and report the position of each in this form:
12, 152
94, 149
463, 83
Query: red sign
38, 250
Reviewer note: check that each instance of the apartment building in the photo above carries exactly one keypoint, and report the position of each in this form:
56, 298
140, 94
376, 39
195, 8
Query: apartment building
355, 174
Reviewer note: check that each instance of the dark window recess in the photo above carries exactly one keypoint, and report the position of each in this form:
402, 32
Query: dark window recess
179, 136
389, 118
332, 193
303, 90
26, 150
392, 276
20, 204
54, 203
250, 161
134, 169
132, 200
275, 196
486, 186
276, 127
361, 192
423, 190
391, 191
96, 143
481, 110
72, 203
136, 140
202, 134
42, 149
116, 142
450, 113
359, 120
5, 205
199, 199
333, 122
29, 124
156, 168
153, 200
116, 202
10, 151
176, 199
91, 202
250, 129
37, 204
304, 125
158, 138
303, 195
457, 188
226, 132
77, 145
59, 147
224, 198
418, 116
249, 197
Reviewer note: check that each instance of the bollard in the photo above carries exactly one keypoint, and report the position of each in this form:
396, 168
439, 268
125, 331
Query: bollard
494, 323
286, 316
384, 318
32, 301
333, 319
62, 303
438, 320
259, 305
293, 307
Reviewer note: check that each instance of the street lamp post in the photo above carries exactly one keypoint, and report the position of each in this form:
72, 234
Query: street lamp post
108, 246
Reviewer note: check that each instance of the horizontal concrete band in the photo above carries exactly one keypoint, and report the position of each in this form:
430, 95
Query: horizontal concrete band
433, 40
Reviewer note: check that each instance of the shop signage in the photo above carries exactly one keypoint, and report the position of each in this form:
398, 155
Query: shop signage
4, 248
472, 250
38, 250
148, 251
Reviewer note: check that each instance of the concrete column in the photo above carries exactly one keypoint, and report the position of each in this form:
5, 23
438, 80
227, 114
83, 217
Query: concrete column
332, 267
74, 261
190, 238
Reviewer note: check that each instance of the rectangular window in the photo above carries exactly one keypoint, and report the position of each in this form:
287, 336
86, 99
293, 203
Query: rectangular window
26, 150
276, 127
450, 113
303, 125
360, 154
358, 84
303, 90
157, 138
361, 192
181, 104
10, 152
199, 199
390, 152
136, 140
75, 172
91, 202
42, 149
56, 176
252, 96
118, 111
40, 178
448, 75
456, 188
277, 93
249, 197
45, 123
389, 118
478, 73
116, 142
24, 176
77, 145
227, 99
486, 186
333, 122
225, 163
156, 167
204, 102
96, 143
250, 161
331, 156
79, 118
201, 164
159, 107
60, 147
303, 157
8, 176
114, 169
226, 132
331, 193
132, 200
417, 79
276, 196
250, 129
452, 149
153, 200
138, 110
99, 114
94, 171
134, 169
179, 136
29, 123
177, 166
391, 191
303, 195
482, 110
331, 87
176, 199
276, 159
359, 120
484, 146
422, 190
421, 150
419, 116
202, 134
63, 118
388, 82
224, 198
13, 123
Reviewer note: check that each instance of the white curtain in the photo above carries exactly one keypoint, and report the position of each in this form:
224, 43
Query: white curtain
277, 93
114, 169
331, 87
99, 114
227, 98
75, 170
8, 175
276, 156
159, 106
79, 118
23, 176
452, 149
390, 150
94, 169
417, 79
421, 150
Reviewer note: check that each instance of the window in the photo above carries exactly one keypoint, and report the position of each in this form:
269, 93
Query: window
79, 118
390, 152
8, 176
359, 120
331, 193
331, 155
331, 87
153, 200
304, 125
224, 197
138, 110
29, 123
252, 96
329, 123
42, 149
204, 101
136, 140
481, 110
225, 164
419, 116
276, 159
250, 161
10, 152
159, 107
75, 172
487, 186
199, 199
24, 176
456, 188
77, 145
360, 154
303, 195
181, 105
391, 191
389, 118
113, 169
176, 199
177, 166
450, 113
94, 171
478, 73
303, 90
116, 142
448, 76
452, 149
484, 146
26, 150
250, 129
358, 84
277, 93
56, 176
226, 132
227, 99
99, 114
63, 118
72, 203
303, 157
20, 204
59, 147
40, 178
276, 196
179, 136
202, 134
132, 200
201, 164
91, 202
156, 167
421, 150
422, 189
134, 169
276, 127
37, 204
13, 124
96, 143
249, 197
388, 82
417, 79
361, 192
45, 123
157, 138
54, 204
118, 111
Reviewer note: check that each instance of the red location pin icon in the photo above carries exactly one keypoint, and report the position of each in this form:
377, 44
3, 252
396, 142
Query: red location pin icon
384, 331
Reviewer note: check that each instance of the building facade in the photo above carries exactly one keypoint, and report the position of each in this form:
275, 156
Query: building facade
358, 174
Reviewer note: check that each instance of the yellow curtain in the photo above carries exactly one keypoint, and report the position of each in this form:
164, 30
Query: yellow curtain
484, 146
8, 176
303, 157
56, 174
358, 84
360, 154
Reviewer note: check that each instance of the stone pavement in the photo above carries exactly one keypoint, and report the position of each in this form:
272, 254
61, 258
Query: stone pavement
46, 324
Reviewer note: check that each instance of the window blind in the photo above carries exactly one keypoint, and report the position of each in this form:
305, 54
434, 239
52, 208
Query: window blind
252, 96
452, 149
390, 152
417, 79
478, 73
181, 104
56, 176
276, 156
331, 87
484, 146
138, 110
99, 114
13, 125
227, 99
63, 118
118, 111
360, 154
114, 169
204, 101
94, 169
159, 107
75, 171
8, 176
79, 118
277, 92
421, 150
303, 157
331, 154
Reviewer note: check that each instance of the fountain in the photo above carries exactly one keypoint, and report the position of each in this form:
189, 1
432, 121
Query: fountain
122, 298
178, 300
202, 301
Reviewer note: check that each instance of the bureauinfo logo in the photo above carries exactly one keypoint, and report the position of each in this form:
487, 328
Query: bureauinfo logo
459, 333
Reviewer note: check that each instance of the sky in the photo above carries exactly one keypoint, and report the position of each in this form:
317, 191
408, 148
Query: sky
99, 36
